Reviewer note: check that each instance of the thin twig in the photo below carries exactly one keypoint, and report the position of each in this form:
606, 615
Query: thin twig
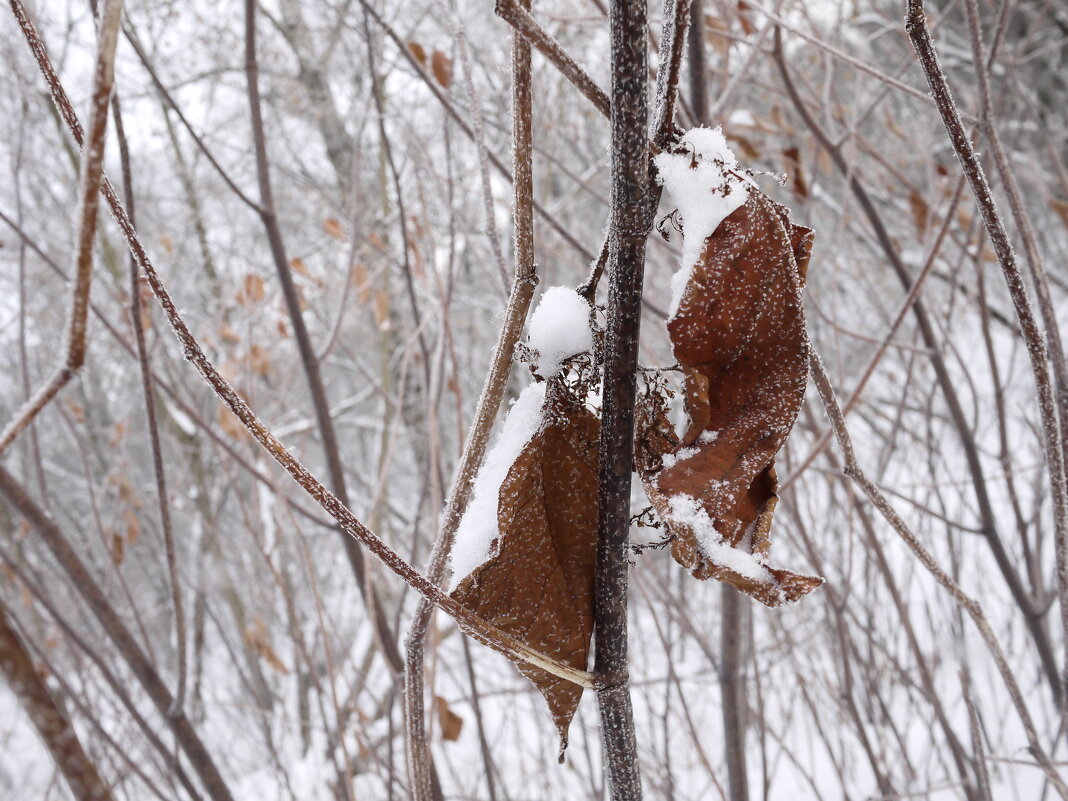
1024, 600
489, 403
383, 633
919, 34
452, 111
149, 395
967, 603
474, 103
523, 22
85, 227
982, 774
884, 345
677, 16
478, 628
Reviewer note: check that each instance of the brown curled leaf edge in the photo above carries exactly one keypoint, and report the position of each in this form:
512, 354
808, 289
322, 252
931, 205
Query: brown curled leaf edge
537, 584
739, 337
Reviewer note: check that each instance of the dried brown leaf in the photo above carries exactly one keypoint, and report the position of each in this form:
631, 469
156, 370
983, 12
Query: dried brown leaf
715, 35
133, 526
417, 50
1061, 207
441, 66
739, 335
451, 723
796, 173
259, 360
381, 311
538, 583
743, 18
118, 434
253, 287
118, 548
228, 334
77, 411
258, 639
362, 279
920, 212
333, 229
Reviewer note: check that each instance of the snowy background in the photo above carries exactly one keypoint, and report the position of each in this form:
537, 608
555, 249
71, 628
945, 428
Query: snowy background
857, 692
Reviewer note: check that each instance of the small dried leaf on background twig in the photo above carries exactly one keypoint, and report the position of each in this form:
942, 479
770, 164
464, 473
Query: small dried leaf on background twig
418, 52
451, 723
441, 66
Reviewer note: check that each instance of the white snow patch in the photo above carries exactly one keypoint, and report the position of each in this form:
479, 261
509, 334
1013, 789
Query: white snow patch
705, 193
559, 328
681, 455
686, 510
742, 117
478, 527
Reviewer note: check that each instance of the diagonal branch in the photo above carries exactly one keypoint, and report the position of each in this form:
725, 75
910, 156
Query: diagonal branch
478, 628
151, 419
57, 733
920, 35
523, 283
525, 26
966, 602
384, 635
1024, 600
140, 663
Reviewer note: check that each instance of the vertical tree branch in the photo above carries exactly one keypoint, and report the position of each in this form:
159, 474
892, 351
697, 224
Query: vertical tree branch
676, 17
149, 395
626, 266
698, 64
524, 281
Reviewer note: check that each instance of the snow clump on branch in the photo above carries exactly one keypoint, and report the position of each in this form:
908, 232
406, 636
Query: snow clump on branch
704, 180
559, 328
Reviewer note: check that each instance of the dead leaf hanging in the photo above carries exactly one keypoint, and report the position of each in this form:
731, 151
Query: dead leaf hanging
451, 723
537, 584
739, 336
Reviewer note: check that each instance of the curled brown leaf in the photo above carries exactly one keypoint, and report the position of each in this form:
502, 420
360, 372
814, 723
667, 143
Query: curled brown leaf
537, 584
739, 337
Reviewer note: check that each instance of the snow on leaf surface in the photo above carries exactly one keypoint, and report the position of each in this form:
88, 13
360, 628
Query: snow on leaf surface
537, 584
739, 335
703, 179
478, 527
559, 328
